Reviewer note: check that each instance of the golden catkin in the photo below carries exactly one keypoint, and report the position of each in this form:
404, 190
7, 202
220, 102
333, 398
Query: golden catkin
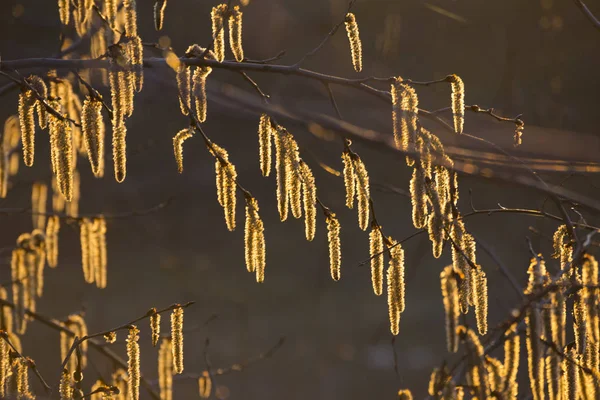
518, 136
480, 296
129, 8
535, 358
204, 385
264, 144
294, 185
349, 178
309, 201
512, 354
100, 252
404, 394
5, 167
4, 365
62, 142
404, 116
93, 132
133, 363
418, 198
335, 252
86, 238
226, 177
477, 376
65, 388
450, 296
117, 96
282, 172
395, 286
178, 140
177, 337
136, 49
571, 385
376, 254
120, 151
184, 87
39, 198
435, 221
363, 193
589, 277
165, 369
199, 91
254, 240
496, 374
354, 39
218, 30
235, 33
22, 378
155, 327
27, 124
18, 272
110, 337
6, 313
553, 373
40, 87
159, 14
119, 380
64, 11
458, 102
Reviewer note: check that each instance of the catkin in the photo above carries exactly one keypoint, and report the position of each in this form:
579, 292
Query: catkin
133, 363
100, 252
61, 140
184, 85
349, 178
199, 91
120, 151
512, 354
136, 49
376, 253
4, 365
177, 337
254, 240
86, 238
458, 102
480, 296
451, 306
65, 389
282, 173
6, 313
333, 238
309, 201
27, 124
571, 385
404, 394
226, 184
22, 378
418, 198
204, 385
64, 11
165, 369
18, 272
363, 193
404, 116
354, 39
40, 87
218, 30
395, 288
93, 133
110, 337
39, 197
535, 358
235, 33
4, 170
129, 8
264, 144
159, 14
178, 140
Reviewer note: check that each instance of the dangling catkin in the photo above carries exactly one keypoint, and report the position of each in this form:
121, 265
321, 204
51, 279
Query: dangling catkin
480, 296
178, 140
571, 384
333, 237
354, 39
65, 389
6, 313
309, 200
133, 363
22, 378
64, 158
165, 369
512, 353
129, 8
177, 337
4, 169
395, 288
27, 124
4, 365
264, 144
451, 306
159, 13
458, 102
120, 151
363, 193
404, 116
226, 183
349, 178
86, 239
254, 240
64, 11
184, 84
405, 394
155, 327
218, 30
40, 87
282, 173
376, 254
39, 197
199, 91
204, 385
93, 133
294, 184
418, 198
101, 263
535, 358
235, 33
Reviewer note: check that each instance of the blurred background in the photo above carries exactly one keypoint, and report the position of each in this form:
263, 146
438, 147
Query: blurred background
537, 58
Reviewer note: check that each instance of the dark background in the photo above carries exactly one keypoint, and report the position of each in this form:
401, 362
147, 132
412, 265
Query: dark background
540, 59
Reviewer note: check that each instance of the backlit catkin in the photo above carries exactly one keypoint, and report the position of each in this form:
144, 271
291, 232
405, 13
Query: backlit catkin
4, 365
177, 338
589, 277
571, 384
27, 124
418, 198
309, 201
120, 151
199, 91
204, 385
451, 307
64, 11
165, 369
376, 253
363, 193
155, 326
226, 177
404, 116
395, 288
333, 238
22, 378
63, 142
184, 85
458, 102
65, 389
178, 140
235, 33
133, 363
39, 198
512, 353
404, 394
264, 144
40, 87
535, 358
159, 14
349, 178
254, 240
93, 132
480, 296
354, 39
281, 168
218, 30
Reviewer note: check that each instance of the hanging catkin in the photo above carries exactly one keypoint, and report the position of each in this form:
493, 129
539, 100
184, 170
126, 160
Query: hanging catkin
292, 166
93, 132
137, 61
165, 369
589, 277
218, 30
22, 378
333, 237
264, 144
120, 151
404, 116
39, 198
133, 363
184, 85
418, 198
159, 14
101, 252
40, 87
178, 140
363, 192
395, 285
458, 102
451, 307
177, 338
376, 253
571, 386
480, 296
282, 172
27, 124
235, 33
86, 238
226, 179
65, 389
63, 143
309, 201
349, 178
404, 394
512, 353
354, 39
4, 170
204, 385
199, 91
